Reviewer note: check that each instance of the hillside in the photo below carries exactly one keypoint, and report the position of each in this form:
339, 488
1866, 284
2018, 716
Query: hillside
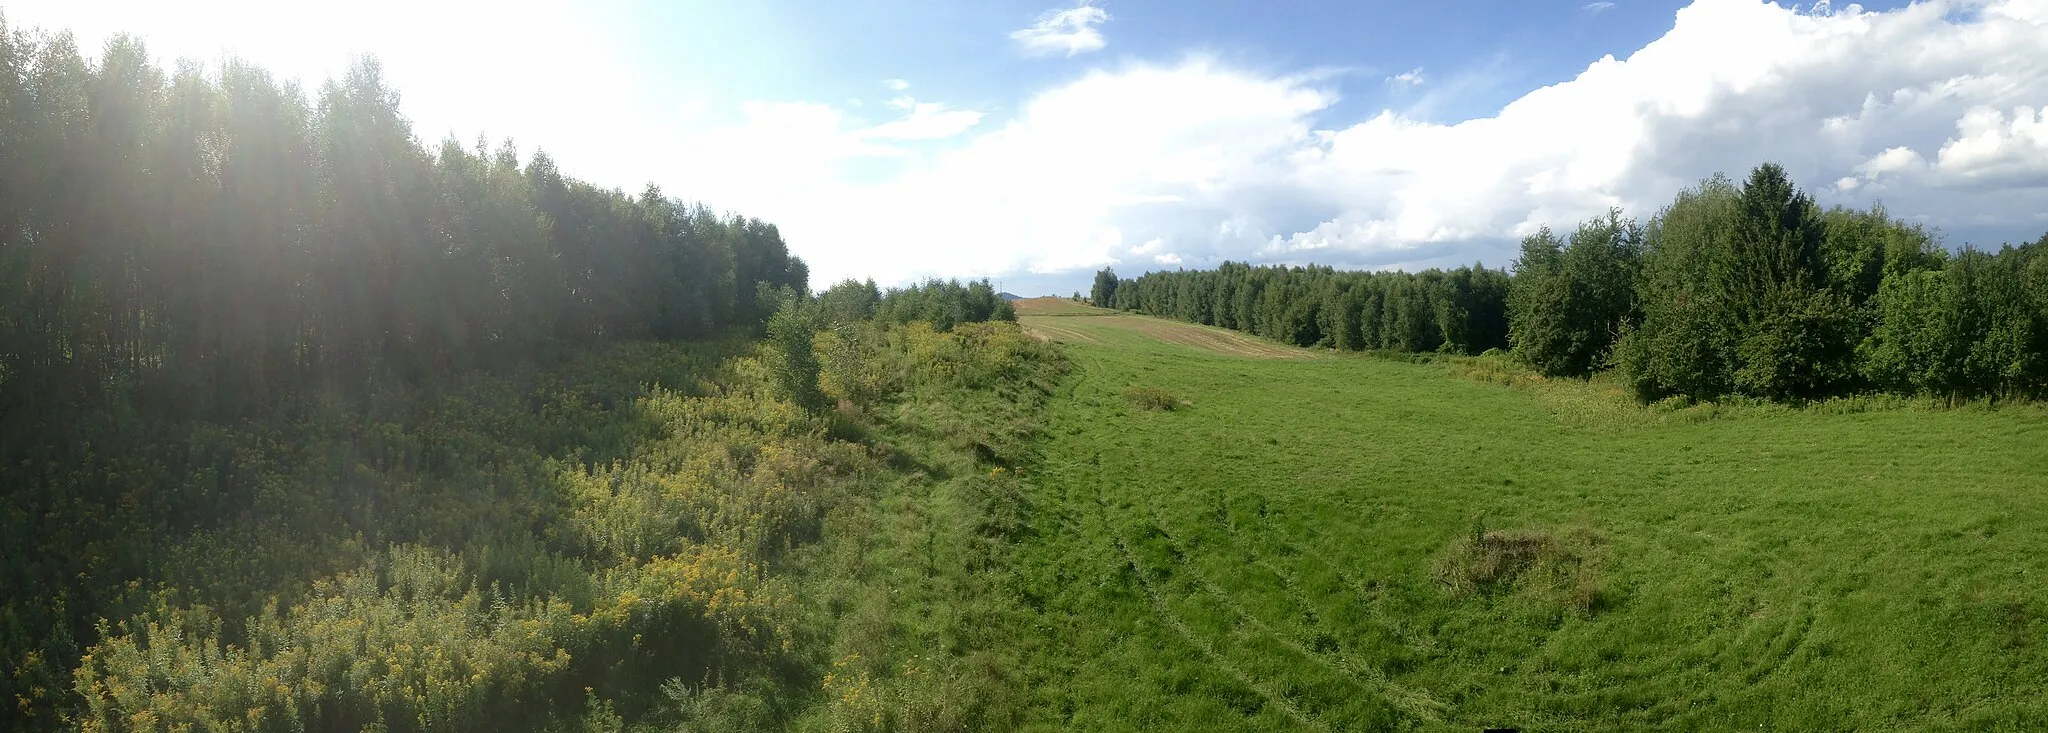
1352, 543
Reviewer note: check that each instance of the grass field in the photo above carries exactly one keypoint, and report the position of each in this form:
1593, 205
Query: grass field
1348, 543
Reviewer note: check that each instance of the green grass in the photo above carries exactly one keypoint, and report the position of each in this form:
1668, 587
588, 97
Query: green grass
1295, 546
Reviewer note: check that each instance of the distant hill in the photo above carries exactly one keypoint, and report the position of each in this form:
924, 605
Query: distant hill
1009, 296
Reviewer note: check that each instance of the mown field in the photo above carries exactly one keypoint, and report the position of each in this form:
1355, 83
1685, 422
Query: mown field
1223, 541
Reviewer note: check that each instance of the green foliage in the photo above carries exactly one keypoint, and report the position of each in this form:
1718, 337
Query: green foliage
1971, 329
849, 301
854, 369
1103, 293
944, 304
1865, 247
1754, 292
324, 428
793, 331
1570, 302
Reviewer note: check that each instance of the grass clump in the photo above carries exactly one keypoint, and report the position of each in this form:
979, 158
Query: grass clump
1153, 398
1558, 566
1493, 367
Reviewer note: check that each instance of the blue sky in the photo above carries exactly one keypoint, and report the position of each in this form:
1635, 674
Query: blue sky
1033, 142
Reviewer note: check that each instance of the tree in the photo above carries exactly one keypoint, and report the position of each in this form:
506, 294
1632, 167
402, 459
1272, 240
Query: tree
1794, 335
849, 301
1103, 294
1539, 306
1683, 344
793, 330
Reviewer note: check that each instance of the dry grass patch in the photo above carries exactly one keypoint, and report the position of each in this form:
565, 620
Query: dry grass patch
1153, 398
1560, 566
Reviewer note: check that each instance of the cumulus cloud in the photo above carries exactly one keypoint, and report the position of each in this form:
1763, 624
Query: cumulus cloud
1410, 78
896, 85
1991, 152
1936, 109
925, 121
1733, 83
1069, 32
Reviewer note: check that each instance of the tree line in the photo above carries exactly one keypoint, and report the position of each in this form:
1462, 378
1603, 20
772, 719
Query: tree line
941, 303
1461, 310
1749, 290
206, 239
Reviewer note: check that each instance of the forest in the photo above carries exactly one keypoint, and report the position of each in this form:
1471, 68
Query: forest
310, 424
1746, 290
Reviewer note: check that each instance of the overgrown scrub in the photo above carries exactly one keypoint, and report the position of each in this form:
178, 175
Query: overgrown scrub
658, 560
924, 609
1495, 367
649, 569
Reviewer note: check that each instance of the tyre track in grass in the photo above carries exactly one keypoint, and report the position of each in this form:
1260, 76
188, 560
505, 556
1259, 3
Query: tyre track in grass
1153, 583
1093, 510
1165, 614
1414, 703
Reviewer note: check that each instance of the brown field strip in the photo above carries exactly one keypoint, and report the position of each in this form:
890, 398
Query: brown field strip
1208, 338
1057, 307
1053, 330
1065, 321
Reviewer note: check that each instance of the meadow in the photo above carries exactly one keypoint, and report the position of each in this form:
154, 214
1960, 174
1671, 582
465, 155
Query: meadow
1221, 540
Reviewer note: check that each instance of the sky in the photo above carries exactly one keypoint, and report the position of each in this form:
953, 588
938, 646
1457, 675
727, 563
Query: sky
1033, 143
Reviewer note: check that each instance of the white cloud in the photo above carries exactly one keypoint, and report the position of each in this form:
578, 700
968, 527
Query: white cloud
1410, 78
1595, 7
1892, 160
1847, 97
1936, 108
895, 85
1066, 182
1988, 150
926, 121
1070, 31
